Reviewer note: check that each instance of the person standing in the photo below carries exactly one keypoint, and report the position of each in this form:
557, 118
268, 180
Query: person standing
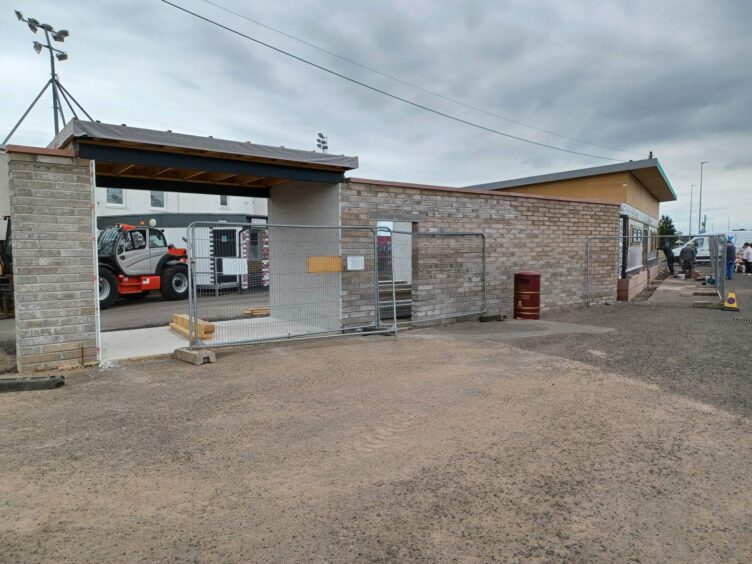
730, 259
747, 258
687, 258
669, 257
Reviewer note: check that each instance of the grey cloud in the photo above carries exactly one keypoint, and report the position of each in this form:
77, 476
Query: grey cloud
634, 74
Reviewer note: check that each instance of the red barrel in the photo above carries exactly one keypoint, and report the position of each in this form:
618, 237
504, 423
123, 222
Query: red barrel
527, 295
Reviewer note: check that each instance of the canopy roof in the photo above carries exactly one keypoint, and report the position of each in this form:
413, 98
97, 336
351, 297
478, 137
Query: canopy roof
133, 157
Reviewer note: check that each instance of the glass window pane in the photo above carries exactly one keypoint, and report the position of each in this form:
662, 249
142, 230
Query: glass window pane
156, 239
115, 196
157, 199
139, 241
223, 200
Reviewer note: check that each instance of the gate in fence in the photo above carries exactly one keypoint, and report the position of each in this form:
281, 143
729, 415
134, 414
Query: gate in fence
259, 282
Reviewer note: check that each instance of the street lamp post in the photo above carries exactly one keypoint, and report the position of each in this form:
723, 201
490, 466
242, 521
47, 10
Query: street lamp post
691, 199
699, 213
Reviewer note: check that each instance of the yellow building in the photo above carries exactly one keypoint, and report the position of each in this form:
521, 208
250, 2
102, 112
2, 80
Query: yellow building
638, 187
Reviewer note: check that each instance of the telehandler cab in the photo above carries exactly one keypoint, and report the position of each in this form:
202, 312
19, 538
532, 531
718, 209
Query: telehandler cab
135, 260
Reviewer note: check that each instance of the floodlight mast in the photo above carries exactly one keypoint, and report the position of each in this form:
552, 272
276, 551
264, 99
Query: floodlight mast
58, 90
322, 142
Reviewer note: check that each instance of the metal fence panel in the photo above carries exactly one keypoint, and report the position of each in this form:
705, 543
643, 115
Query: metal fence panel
717, 251
258, 282
606, 261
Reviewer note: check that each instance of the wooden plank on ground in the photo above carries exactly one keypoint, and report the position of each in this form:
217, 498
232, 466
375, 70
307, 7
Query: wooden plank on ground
259, 311
180, 324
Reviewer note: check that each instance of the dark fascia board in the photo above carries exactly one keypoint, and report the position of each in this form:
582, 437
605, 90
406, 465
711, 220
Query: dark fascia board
663, 193
112, 133
105, 181
144, 157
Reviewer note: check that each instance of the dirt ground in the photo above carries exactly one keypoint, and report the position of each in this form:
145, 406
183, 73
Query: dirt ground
513, 441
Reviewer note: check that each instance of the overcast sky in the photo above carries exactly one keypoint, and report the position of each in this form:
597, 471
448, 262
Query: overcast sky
671, 77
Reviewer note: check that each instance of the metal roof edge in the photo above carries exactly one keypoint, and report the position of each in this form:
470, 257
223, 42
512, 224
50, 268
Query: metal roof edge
665, 179
80, 129
566, 175
629, 166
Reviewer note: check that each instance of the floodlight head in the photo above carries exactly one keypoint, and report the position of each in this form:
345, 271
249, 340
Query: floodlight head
47, 27
38, 47
19, 15
33, 24
61, 56
60, 35
321, 135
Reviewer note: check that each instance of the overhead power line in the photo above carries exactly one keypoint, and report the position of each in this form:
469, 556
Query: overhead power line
412, 84
379, 90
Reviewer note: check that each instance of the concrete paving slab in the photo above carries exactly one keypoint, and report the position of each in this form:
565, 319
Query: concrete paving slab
138, 343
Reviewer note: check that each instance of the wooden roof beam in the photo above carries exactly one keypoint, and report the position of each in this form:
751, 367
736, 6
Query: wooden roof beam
118, 170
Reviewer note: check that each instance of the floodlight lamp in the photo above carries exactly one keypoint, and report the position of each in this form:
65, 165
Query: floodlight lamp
61, 56
46, 27
33, 24
19, 15
321, 135
60, 35
38, 47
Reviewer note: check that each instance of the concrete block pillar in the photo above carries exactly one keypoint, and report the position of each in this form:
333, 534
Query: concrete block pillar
55, 278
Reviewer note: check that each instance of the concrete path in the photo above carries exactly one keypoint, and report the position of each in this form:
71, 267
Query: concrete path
138, 343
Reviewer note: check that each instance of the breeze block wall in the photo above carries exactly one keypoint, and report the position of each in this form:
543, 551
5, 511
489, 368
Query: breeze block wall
523, 233
52, 218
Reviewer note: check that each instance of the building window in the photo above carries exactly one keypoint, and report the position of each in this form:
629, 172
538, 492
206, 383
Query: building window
636, 235
115, 196
223, 201
157, 199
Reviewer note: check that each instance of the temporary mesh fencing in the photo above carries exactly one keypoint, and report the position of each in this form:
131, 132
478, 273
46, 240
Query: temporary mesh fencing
613, 258
259, 282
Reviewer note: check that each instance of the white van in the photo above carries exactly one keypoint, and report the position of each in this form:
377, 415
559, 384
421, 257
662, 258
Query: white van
702, 243
702, 248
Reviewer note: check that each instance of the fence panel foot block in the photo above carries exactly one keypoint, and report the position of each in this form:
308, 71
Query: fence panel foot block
197, 357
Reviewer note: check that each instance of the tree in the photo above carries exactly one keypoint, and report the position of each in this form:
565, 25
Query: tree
666, 228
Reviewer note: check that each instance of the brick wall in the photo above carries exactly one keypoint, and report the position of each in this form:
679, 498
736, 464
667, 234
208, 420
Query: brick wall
522, 233
53, 260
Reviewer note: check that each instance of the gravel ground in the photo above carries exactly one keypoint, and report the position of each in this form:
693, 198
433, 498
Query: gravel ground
470, 443
702, 354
